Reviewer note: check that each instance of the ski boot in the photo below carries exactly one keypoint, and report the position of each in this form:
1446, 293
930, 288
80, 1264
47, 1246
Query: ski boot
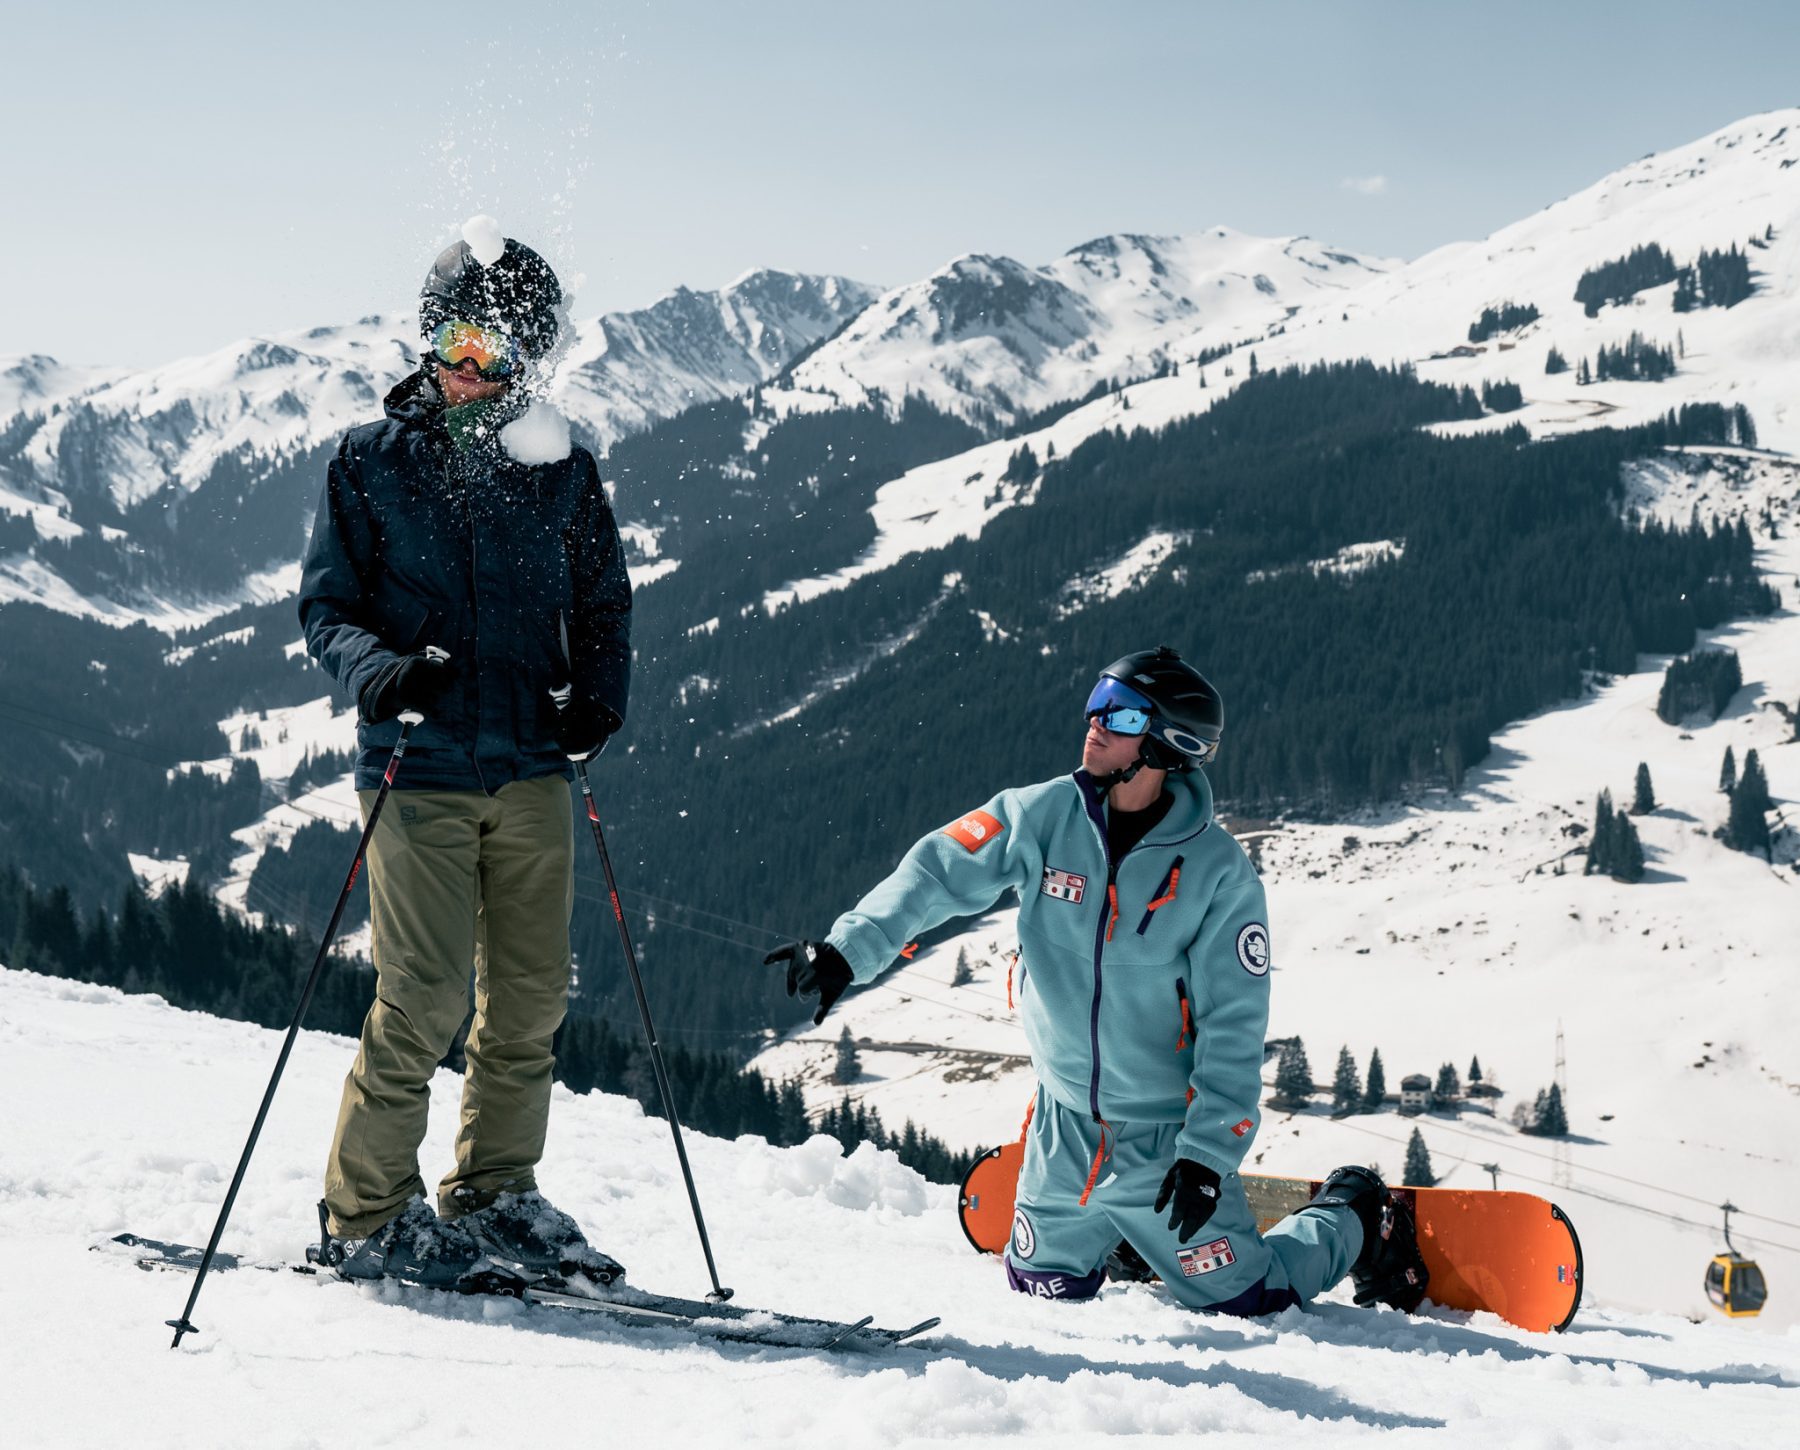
415, 1246
527, 1232
1389, 1269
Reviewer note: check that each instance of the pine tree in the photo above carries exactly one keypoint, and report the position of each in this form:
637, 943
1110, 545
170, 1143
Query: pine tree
1747, 829
1449, 1086
1549, 1120
964, 973
1627, 852
848, 1066
1474, 1071
1728, 772
1600, 846
1346, 1087
1293, 1077
1375, 1092
1418, 1163
1555, 362
1643, 797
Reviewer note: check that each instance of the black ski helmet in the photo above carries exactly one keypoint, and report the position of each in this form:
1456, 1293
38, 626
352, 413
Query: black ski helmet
1187, 718
517, 292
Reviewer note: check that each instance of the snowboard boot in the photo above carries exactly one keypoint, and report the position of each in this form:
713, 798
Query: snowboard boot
1389, 1269
528, 1232
415, 1246
1125, 1265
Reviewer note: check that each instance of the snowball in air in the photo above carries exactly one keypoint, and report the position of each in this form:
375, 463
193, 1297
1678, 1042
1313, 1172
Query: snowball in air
541, 436
485, 238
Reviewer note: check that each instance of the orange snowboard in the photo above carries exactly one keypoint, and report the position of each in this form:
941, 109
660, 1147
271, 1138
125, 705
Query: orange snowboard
1510, 1254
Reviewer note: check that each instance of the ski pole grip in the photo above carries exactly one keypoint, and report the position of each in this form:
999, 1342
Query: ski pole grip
415, 717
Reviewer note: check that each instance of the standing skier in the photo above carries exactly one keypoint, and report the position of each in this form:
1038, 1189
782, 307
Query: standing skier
432, 533
1144, 989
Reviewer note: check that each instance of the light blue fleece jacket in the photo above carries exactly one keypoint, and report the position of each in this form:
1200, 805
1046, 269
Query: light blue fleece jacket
1143, 1004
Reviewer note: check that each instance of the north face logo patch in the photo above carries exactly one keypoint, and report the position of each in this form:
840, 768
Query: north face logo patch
975, 830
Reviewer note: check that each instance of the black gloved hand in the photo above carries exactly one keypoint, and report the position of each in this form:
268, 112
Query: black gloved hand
813, 966
1193, 1190
583, 727
419, 683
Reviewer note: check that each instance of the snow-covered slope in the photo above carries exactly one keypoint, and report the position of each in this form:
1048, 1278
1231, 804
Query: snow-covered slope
138, 1112
987, 334
1738, 187
1732, 188
1462, 927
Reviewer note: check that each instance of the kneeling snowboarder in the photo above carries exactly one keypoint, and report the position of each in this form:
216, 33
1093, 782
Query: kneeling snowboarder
1143, 984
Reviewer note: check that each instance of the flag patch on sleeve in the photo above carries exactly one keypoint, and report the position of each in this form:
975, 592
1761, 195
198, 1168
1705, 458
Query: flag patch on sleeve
974, 830
1205, 1258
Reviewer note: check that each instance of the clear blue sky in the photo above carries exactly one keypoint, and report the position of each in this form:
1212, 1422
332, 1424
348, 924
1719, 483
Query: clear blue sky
178, 176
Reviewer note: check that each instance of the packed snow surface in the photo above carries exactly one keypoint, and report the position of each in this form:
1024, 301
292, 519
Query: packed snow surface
138, 1113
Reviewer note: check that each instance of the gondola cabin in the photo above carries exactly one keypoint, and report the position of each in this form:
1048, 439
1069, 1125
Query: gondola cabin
1736, 1285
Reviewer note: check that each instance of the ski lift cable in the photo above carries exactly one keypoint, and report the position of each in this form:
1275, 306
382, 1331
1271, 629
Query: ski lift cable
1594, 1193
1620, 1177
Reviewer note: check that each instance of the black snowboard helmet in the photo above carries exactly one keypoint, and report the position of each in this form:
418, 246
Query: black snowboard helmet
1187, 717
518, 293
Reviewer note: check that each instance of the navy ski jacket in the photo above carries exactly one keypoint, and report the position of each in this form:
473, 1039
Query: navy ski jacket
516, 570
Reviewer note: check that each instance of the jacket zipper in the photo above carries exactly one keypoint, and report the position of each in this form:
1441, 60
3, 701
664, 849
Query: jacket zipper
1095, 819
1164, 894
474, 622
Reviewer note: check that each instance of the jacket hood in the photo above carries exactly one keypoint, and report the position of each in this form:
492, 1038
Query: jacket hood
416, 399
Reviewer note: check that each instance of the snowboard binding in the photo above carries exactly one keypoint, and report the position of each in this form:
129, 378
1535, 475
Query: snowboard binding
1389, 1270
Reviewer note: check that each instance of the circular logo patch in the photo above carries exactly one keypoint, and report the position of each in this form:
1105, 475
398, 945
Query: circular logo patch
1253, 949
1024, 1241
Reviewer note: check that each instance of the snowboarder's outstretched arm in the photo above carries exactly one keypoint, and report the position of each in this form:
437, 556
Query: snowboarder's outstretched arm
1229, 964
960, 870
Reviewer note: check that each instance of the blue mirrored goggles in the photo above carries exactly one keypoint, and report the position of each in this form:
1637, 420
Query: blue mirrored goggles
1119, 708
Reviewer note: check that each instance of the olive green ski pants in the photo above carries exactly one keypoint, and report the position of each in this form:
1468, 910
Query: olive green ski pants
457, 879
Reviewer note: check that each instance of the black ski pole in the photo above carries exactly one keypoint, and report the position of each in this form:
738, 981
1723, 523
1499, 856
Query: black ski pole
185, 1324
718, 1294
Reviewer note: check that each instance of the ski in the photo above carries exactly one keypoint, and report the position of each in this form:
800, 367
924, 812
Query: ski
622, 1305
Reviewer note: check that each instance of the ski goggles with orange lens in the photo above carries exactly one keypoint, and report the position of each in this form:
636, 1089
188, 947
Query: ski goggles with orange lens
1119, 708
495, 353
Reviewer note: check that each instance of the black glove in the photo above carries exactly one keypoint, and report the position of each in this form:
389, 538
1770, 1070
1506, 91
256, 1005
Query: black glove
813, 966
583, 728
420, 683
1193, 1189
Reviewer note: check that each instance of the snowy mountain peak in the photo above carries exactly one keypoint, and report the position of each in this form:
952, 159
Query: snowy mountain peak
1738, 188
85, 450
987, 334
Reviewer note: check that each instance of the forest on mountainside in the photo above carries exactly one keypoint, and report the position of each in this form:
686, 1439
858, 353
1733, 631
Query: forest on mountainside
1511, 570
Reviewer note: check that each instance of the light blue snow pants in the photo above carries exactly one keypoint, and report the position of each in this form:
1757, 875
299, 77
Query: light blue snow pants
1059, 1246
